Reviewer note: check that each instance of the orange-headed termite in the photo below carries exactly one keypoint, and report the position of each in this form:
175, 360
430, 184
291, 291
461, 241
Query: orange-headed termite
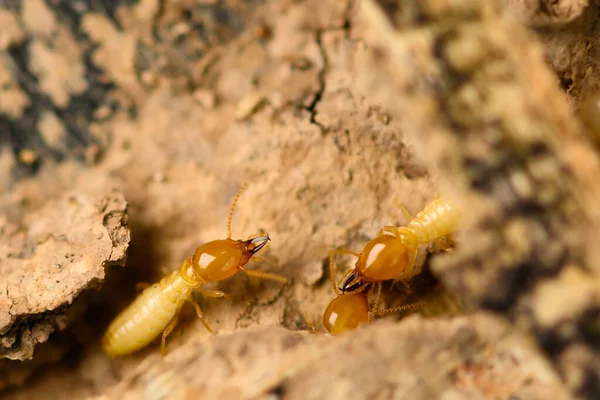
156, 309
390, 255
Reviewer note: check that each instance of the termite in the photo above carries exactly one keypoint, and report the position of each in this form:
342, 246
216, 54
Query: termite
390, 255
157, 308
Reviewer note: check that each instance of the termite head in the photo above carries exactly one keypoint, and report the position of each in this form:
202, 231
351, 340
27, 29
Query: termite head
221, 259
384, 257
352, 282
346, 312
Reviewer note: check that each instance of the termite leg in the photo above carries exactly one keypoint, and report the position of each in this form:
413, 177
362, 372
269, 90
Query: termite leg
444, 243
390, 230
407, 214
376, 303
200, 315
412, 259
332, 266
310, 325
402, 285
266, 275
397, 309
214, 294
166, 332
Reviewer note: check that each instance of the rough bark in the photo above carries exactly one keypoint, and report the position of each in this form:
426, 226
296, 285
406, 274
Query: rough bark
48, 259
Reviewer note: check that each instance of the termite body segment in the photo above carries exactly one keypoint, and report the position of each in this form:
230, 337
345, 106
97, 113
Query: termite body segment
390, 255
156, 309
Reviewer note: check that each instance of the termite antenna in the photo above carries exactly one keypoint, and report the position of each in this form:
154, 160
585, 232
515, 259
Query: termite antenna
235, 200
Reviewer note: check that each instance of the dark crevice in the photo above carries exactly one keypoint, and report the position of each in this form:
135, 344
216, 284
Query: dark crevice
311, 108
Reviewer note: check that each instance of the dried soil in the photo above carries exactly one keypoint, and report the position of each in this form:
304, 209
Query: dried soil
146, 118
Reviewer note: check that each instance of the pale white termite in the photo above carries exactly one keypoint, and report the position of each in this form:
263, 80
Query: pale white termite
156, 309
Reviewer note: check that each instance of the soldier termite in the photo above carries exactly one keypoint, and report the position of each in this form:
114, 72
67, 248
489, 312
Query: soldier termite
390, 255
156, 309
